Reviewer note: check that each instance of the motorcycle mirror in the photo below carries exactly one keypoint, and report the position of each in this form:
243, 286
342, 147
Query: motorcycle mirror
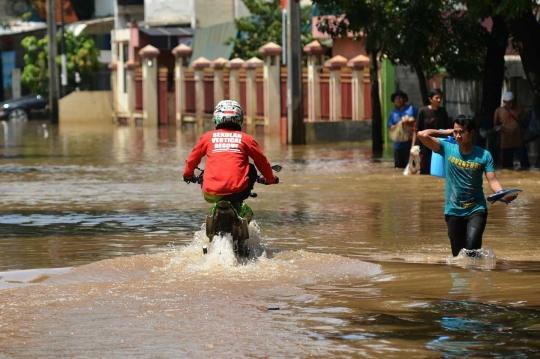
276, 168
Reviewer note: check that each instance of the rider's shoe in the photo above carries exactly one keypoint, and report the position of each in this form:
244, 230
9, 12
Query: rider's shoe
246, 212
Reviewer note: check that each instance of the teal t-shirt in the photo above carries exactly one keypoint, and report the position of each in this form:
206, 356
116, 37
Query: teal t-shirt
464, 177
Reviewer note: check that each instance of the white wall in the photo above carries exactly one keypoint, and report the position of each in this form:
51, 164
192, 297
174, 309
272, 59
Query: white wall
169, 12
240, 9
104, 8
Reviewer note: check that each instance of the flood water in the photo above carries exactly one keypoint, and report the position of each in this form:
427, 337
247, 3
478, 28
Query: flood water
100, 256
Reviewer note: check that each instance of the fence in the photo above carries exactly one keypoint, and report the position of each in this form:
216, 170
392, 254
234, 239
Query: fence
336, 90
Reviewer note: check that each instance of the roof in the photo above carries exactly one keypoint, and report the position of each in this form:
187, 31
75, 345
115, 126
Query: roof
22, 27
167, 31
92, 27
209, 41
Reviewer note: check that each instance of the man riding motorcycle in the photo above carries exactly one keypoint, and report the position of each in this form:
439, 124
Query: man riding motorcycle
228, 175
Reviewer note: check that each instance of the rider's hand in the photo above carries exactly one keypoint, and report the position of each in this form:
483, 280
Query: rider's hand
187, 179
262, 180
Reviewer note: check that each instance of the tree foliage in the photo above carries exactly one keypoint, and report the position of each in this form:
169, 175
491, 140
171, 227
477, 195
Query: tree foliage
264, 26
522, 19
81, 57
427, 35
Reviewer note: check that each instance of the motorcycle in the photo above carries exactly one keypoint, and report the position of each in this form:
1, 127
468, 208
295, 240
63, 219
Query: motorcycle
225, 219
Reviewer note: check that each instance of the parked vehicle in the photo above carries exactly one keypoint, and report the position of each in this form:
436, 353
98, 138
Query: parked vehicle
24, 108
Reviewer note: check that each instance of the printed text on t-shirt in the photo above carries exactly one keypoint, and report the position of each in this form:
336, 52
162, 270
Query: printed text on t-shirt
224, 141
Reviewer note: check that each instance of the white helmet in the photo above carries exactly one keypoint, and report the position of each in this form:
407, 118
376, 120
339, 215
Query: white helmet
228, 111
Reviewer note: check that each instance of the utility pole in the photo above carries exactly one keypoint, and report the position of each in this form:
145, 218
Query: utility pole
296, 133
53, 71
64, 76
284, 32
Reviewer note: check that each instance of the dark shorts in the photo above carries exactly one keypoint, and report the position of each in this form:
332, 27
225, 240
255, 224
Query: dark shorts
425, 163
466, 232
401, 157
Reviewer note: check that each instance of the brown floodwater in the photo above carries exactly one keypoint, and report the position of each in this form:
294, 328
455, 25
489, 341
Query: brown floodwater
100, 256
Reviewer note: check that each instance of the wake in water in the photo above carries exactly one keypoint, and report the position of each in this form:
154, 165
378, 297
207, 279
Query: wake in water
263, 263
220, 251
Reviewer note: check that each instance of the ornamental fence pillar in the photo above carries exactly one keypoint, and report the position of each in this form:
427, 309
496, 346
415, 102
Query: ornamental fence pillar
199, 65
149, 56
272, 88
315, 53
335, 64
358, 65
181, 53
251, 66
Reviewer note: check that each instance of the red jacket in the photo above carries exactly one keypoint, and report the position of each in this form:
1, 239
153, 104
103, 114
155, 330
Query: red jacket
227, 163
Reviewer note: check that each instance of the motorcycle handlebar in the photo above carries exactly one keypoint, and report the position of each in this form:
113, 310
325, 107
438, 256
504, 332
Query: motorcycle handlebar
260, 178
194, 179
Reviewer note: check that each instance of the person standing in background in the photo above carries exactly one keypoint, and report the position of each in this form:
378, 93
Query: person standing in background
508, 119
401, 149
434, 117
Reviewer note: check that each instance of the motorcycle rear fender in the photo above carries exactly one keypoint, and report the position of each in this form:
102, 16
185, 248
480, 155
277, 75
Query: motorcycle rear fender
241, 230
210, 227
245, 229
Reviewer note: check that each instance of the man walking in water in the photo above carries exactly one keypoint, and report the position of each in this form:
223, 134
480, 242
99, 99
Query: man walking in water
465, 210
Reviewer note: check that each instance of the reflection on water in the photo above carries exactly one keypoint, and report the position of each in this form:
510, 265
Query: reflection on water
100, 253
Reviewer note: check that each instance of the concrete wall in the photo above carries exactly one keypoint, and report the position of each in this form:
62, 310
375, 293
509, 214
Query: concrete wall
348, 48
86, 106
164, 12
341, 131
407, 80
212, 12
462, 97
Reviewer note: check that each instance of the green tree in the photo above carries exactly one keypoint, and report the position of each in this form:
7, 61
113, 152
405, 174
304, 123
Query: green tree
81, 57
35, 74
264, 26
362, 17
521, 20
427, 35
431, 35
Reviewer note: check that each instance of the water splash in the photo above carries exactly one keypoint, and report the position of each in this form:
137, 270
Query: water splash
477, 254
220, 250
483, 258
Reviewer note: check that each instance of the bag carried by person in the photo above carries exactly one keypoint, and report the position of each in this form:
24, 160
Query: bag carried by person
413, 167
402, 133
531, 126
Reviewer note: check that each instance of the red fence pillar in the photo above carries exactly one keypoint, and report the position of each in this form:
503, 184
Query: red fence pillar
346, 95
163, 117
368, 113
138, 89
